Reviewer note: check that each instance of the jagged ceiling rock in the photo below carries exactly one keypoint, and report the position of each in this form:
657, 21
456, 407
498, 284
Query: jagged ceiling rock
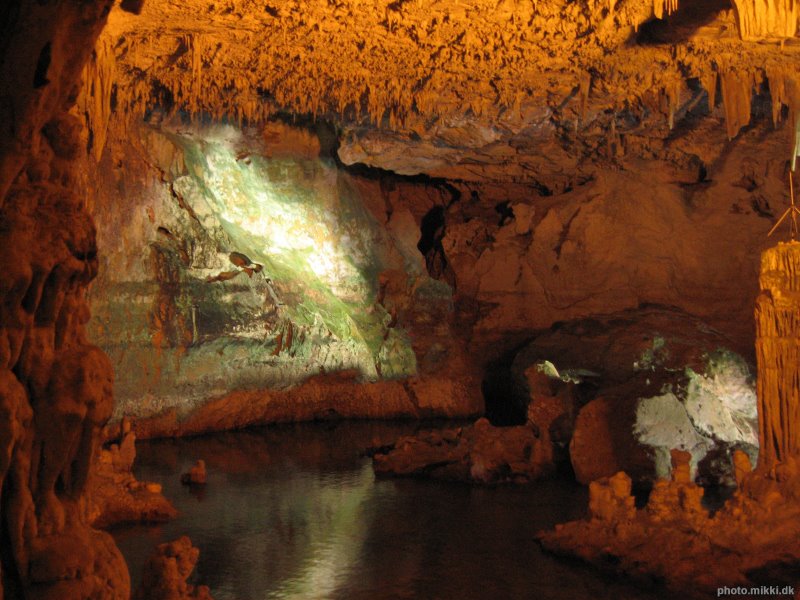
454, 89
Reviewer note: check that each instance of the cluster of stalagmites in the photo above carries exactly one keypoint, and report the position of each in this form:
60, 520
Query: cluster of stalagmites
751, 540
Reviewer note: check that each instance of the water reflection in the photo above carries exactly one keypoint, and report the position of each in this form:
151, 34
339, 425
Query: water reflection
295, 512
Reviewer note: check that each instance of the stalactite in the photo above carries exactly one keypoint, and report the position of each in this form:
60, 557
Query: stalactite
584, 87
736, 97
784, 90
673, 93
709, 81
662, 7
778, 353
95, 98
760, 19
425, 68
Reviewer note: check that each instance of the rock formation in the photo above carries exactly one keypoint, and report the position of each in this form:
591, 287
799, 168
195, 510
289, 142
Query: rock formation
480, 454
196, 475
777, 335
115, 496
769, 19
622, 390
166, 572
55, 387
753, 539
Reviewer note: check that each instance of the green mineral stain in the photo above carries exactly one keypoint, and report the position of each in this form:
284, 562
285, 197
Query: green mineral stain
321, 252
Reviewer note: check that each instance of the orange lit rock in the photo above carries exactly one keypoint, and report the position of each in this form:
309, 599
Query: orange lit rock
324, 397
165, 574
116, 496
756, 533
610, 499
479, 453
777, 334
766, 19
603, 443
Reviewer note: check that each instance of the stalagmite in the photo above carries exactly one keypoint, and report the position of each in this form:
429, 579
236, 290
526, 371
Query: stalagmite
778, 353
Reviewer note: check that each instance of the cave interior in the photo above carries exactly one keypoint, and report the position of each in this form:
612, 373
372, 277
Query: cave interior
500, 243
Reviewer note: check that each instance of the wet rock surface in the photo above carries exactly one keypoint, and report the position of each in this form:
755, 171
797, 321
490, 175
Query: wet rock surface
116, 496
751, 541
480, 453
165, 574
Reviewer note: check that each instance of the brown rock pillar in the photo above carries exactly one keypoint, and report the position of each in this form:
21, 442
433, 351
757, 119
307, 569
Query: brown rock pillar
55, 388
778, 353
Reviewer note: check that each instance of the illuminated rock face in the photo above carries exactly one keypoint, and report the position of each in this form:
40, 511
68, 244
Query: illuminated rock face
622, 390
777, 335
252, 264
755, 533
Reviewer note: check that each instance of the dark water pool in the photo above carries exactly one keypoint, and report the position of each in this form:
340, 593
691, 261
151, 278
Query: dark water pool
295, 512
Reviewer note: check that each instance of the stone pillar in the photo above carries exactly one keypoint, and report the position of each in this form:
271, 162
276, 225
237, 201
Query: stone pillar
778, 353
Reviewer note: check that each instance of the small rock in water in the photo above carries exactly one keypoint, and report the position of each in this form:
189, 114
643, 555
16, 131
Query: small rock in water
196, 475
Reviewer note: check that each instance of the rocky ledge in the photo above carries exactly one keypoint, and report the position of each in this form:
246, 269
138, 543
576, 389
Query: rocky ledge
116, 495
479, 453
752, 541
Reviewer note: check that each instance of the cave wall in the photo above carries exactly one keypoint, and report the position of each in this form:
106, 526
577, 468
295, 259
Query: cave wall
55, 387
452, 275
565, 177
241, 263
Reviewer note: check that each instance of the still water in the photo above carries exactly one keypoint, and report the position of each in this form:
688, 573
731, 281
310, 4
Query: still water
296, 512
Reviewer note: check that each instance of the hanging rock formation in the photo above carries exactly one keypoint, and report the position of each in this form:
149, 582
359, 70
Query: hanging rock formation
777, 343
760, 19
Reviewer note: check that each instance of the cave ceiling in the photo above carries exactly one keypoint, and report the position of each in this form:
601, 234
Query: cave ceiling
474, 90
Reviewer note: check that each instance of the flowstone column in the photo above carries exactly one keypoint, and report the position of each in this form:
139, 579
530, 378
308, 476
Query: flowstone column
778, 353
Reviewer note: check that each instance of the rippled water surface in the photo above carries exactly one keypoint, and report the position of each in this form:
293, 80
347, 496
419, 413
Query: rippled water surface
295, 512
